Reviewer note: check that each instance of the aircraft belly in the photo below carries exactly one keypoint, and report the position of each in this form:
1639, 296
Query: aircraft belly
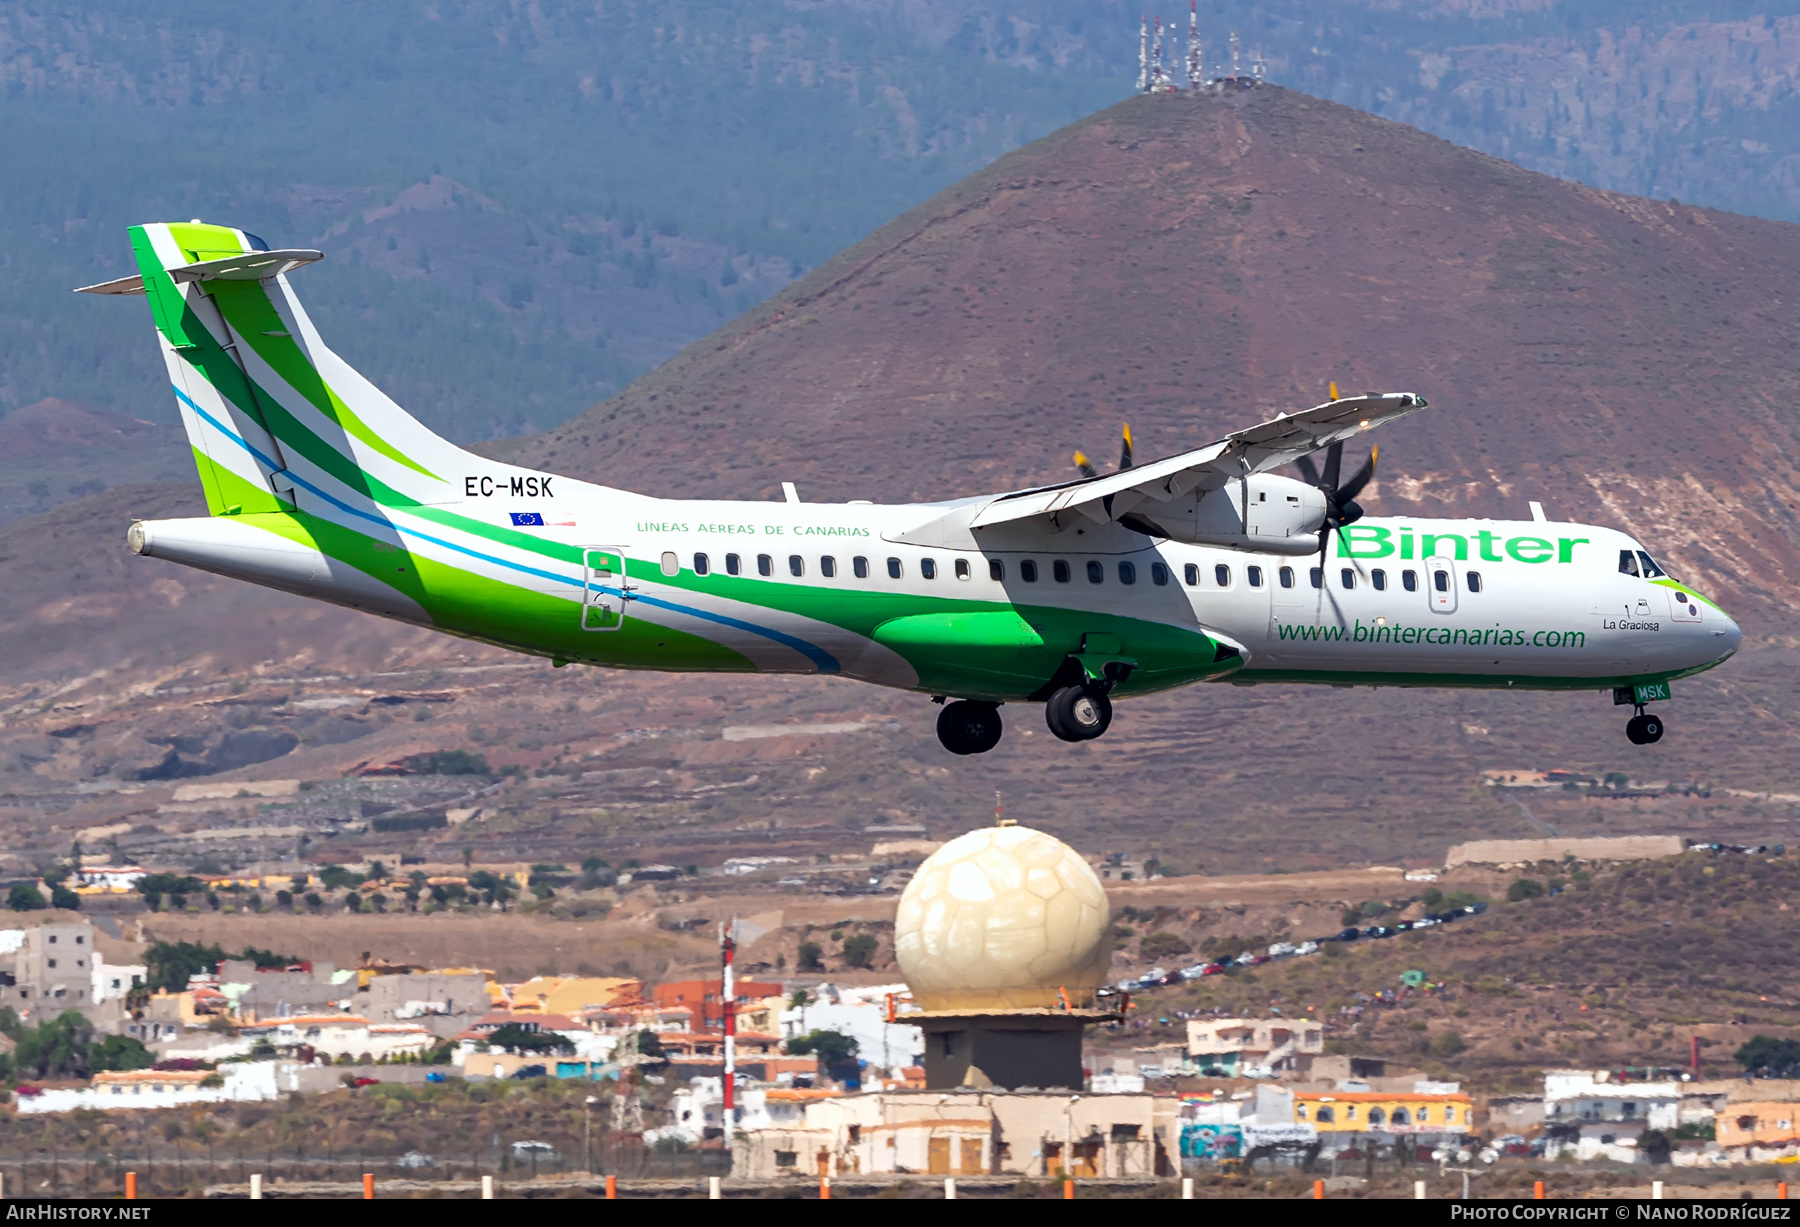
775, 640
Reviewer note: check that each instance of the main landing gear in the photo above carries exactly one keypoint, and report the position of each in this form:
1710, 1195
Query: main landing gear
1644, 729
969, 726
1078, 713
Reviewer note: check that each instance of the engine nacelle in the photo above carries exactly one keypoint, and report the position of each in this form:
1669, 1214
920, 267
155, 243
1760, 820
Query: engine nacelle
1264, 513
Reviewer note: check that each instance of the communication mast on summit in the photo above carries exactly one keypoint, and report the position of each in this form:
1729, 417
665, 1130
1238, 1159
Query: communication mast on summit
1143, 55
1196, 58
1154, 56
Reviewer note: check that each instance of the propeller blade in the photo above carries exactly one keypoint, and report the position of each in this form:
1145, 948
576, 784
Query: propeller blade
1086, 468
1125, 450
1307, 470
1334, 462
1360, 478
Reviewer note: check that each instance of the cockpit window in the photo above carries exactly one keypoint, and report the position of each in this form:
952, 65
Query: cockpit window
1627, 563
1651, 570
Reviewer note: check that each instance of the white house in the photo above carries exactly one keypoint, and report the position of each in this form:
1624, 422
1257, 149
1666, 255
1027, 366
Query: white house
114, 1090
860, 1013
119, 879
1580, 1096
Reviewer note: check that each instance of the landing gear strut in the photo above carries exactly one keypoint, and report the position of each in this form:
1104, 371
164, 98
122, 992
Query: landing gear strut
1644, 729
969, 726
1078, 713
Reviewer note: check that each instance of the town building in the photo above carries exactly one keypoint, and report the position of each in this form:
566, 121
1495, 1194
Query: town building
1385, 1113
1254, 1047
1760, 1131
1574, 1096
121, 1090
981, 1132
702, 996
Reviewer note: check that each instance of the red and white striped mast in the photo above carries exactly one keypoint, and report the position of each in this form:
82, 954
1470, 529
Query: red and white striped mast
728, 1006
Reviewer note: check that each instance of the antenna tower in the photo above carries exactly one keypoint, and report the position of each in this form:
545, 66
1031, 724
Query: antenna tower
1234, 57
1159, 80
1196, 60
1143, 55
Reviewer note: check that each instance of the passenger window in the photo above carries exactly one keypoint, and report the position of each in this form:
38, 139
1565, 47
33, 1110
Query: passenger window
1651, 570
1059, 571
1378, 577
1159, 575
1347, 577
1028, 570
860, 567
828, 566
927, 568
1474, 581
1441, 580
701, 565
1127, 573
1095, 573
1222, 575
996, 570
1254, 575
765, 566
796, 565
962, 568
1317, 575
1286, 575
894, 569
1409, 580
733, 564
1627, 563
1191, 574
671, 565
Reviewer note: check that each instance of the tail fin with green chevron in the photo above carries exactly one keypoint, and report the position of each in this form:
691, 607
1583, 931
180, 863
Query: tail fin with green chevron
275, 418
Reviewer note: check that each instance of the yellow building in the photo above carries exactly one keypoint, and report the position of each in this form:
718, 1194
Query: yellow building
1382, 1111
1765, 1124
571, 995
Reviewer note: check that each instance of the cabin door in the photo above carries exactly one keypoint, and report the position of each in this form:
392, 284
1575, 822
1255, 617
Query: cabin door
604, 591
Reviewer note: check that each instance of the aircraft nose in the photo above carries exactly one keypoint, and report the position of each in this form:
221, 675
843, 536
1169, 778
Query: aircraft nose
1728, 638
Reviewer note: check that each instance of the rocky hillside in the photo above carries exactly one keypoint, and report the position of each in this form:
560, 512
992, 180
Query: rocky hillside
1194, 264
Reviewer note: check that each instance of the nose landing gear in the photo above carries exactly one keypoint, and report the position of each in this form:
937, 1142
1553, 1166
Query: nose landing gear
969, 726
1644, 729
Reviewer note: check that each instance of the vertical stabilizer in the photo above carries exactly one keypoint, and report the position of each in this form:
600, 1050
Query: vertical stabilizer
277, 420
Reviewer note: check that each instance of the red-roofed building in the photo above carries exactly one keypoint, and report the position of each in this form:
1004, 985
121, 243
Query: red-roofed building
702, 996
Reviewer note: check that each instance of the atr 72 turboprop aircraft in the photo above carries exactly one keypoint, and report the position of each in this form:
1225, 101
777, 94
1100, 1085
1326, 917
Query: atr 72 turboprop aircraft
1201, 567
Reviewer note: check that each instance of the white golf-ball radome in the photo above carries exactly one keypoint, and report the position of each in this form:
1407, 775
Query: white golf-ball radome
1003, 918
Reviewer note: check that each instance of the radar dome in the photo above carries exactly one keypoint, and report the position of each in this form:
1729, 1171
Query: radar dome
1003, 918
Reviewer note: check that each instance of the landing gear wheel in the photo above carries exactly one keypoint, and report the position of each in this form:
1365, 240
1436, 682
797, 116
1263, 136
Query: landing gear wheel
969, 727
1077, 713
1634, 730
1644, 729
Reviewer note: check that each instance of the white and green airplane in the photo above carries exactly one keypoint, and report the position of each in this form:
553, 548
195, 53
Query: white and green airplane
1205, 566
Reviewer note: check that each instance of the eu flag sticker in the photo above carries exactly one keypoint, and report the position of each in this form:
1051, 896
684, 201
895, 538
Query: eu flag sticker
527, 519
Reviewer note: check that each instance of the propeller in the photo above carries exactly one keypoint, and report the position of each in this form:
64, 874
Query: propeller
1086, 466
1341, 507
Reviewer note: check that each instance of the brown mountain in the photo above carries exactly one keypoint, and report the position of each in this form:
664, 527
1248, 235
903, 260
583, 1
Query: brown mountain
1193, 264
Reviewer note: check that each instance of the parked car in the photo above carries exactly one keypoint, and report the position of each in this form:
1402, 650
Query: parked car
527, 1072
1350, 934
1194, 972
1281, 949
1213, 969
1257, 960
361, 1082
435, 1076
1307, 948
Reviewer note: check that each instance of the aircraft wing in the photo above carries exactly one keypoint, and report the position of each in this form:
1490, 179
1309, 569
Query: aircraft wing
1255, 450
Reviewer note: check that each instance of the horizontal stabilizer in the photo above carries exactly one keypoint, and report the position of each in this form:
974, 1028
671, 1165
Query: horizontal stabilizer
133, 284
250, 266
